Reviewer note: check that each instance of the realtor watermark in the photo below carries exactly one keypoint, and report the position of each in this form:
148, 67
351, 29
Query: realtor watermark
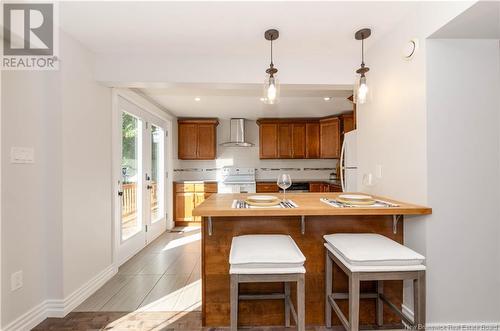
30, 36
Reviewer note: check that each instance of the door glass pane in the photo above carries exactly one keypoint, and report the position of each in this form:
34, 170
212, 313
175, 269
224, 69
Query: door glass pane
131, 175
157, 171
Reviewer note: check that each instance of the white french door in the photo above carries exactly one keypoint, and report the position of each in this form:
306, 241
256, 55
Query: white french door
141, 190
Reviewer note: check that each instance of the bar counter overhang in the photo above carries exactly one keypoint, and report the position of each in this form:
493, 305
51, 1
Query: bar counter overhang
306, 224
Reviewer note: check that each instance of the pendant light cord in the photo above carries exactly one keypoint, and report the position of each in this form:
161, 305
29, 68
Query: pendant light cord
272, 53
363, 52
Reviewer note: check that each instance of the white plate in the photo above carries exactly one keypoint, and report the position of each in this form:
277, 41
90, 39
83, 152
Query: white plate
355, 197
262, 198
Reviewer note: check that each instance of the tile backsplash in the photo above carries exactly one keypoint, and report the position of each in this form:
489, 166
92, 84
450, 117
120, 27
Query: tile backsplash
296, 173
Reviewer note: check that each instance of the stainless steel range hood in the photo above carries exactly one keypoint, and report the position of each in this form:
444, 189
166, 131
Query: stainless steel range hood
237, 134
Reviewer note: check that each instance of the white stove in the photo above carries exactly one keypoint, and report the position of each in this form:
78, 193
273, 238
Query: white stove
237, 180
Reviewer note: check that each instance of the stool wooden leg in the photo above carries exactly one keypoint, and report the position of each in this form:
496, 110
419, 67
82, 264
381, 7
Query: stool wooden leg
234, 302
287, 304
354, 302
419, 300
328, 290
380, 303
301, 304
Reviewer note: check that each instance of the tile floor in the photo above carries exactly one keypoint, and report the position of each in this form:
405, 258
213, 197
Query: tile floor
157, 289
164, 276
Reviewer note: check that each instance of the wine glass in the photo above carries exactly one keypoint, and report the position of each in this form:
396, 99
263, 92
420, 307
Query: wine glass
284, 182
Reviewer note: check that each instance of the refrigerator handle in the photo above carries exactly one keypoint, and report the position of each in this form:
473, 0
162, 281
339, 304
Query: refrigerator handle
342, 179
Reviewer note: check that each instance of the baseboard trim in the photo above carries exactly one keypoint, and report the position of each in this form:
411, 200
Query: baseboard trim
60, 308
466, 326
454, 326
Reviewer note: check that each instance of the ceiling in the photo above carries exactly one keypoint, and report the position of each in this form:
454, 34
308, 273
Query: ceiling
226, 28
481, 21
318, 35
243, 100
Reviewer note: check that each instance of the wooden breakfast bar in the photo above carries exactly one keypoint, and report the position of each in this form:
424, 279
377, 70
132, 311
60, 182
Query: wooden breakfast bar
306, 224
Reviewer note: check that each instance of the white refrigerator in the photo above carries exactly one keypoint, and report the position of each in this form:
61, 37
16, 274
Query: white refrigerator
349, 163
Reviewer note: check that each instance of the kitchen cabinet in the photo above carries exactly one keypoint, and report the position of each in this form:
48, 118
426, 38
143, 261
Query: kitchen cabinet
285, 141
186, 197
319, 187
268, 141
312, 140
347, 122
197, 139
329, 129
335, 188
299, 138
299, 141
267, 187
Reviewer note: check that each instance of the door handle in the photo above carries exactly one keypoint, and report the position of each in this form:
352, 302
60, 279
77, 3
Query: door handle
120, 193
149, 187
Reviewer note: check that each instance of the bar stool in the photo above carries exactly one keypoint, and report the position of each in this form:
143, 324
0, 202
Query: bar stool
267, 258
366, 257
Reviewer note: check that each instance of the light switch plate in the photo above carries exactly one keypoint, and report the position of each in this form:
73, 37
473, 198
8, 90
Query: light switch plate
22, 155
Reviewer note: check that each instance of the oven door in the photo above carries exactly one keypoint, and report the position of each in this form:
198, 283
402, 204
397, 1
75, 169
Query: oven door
237, 188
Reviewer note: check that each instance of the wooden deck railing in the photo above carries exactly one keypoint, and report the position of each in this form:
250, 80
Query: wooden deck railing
129, 198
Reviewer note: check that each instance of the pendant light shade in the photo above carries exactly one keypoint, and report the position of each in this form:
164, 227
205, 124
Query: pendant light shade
271, 90
271, 84
361, 91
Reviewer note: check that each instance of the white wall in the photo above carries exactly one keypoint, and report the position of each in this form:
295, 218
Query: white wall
86, 171
56, 215
30, 192
247, 157
463, 153
392, 126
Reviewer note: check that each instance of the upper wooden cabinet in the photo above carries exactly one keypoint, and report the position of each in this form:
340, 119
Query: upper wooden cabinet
268, 141
197, 139
297, 138
312, 140
329, 129
347, 122
284, 141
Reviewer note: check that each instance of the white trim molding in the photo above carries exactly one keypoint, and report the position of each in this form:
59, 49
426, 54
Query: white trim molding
454, 326
60, 307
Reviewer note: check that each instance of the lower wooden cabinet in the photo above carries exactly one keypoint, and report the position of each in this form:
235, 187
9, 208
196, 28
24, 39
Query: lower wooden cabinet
335, 188
186, 197
319, 187
184, 204
267, 187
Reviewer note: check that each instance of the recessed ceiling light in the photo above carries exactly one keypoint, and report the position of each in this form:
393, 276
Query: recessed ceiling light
197, 99
262, 99
327, 98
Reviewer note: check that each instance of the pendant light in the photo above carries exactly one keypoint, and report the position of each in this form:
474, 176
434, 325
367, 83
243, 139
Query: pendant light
271, 84
361, 90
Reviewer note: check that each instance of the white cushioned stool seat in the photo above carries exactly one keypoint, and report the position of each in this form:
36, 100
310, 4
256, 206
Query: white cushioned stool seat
372, 252
265, 254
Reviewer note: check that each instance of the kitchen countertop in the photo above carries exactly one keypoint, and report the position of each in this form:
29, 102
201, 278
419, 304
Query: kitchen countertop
192, 181
307, 180
195, 181
309, 204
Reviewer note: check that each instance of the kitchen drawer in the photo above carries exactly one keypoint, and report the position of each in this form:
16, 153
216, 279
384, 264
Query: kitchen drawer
335, 188
267, 188
184, 187
206, 187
